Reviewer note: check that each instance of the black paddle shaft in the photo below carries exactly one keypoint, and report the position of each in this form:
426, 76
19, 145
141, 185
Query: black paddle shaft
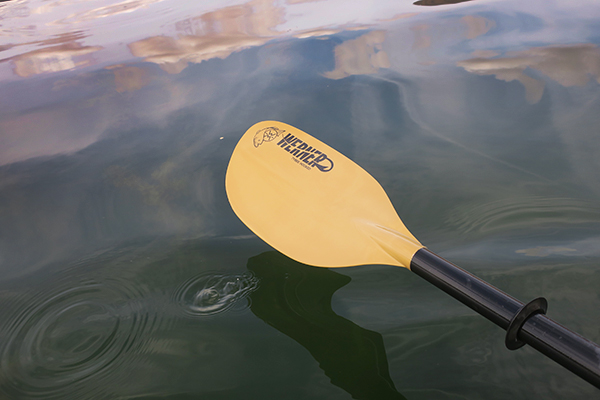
524, 322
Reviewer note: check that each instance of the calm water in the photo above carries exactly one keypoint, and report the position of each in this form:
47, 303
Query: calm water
124, 273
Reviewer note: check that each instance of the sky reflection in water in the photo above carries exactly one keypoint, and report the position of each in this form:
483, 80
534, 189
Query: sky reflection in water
117, 120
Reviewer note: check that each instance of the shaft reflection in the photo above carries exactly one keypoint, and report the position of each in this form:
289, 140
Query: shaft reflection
295, 299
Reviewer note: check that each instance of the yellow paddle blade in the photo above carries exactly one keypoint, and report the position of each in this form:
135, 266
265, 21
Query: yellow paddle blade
312, 203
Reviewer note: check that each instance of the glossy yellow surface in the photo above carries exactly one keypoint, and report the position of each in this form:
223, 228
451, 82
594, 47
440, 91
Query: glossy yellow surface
312, 203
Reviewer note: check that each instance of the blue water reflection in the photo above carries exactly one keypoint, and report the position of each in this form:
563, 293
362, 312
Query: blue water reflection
117, 121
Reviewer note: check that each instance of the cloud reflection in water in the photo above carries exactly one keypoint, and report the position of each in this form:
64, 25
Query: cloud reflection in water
573, 65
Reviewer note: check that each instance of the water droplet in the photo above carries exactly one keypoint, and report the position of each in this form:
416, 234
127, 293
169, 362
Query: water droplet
212, 294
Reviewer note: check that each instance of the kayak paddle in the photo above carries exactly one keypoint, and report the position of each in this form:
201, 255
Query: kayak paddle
319, 208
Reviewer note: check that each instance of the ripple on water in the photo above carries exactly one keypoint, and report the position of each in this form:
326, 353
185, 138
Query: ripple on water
72, 342
214, 293
514, 213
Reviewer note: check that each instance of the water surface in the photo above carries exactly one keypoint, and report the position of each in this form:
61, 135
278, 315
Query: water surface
126, 275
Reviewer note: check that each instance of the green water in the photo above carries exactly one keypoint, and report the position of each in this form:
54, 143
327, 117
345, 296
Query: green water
124, 273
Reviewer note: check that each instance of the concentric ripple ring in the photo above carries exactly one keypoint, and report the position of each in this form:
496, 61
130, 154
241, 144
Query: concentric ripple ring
53, 343
210, 294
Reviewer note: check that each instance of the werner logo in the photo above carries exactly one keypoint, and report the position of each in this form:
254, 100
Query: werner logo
266, 135
306, 154
302, 153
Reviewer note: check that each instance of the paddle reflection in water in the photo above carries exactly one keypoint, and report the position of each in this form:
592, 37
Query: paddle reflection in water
295, 299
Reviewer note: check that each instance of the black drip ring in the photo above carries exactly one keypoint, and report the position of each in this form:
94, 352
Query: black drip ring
535, 306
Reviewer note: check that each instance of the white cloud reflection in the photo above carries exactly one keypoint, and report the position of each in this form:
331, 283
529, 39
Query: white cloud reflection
363, 55
195, 31
572, 65
216, 34
53, 59
173, 55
